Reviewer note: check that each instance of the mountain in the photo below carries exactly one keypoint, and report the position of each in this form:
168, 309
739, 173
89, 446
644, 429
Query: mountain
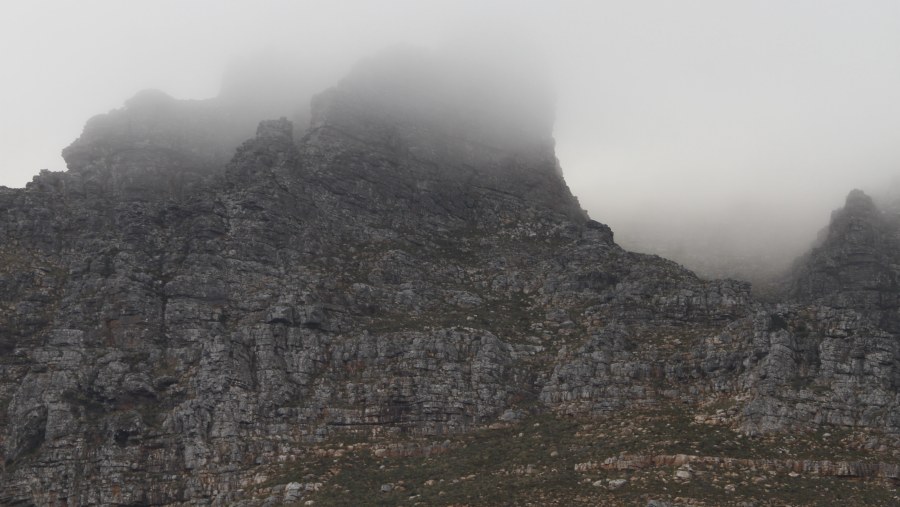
337, 311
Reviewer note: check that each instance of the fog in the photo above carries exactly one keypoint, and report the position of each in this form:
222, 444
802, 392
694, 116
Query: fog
721, 134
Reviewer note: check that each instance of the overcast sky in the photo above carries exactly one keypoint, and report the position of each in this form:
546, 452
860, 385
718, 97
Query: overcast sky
667, 110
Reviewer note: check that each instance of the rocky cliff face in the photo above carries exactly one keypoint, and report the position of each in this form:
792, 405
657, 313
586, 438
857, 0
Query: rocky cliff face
172, 325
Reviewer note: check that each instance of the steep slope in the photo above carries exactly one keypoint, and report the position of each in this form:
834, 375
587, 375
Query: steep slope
409, 268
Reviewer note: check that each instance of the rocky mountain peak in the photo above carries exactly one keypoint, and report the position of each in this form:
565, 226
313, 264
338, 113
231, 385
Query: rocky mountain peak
860, 224
151, 120
440, 120
280, 129
857, 200
156, 144
855, 266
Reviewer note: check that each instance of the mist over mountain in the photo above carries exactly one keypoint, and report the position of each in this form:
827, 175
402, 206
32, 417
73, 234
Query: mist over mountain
736, 124
513, 103
201, 133
393, 295
743, 243
746, 247
744, 240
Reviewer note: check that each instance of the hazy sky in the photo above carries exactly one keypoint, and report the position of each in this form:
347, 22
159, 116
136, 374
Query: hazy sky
667, 110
